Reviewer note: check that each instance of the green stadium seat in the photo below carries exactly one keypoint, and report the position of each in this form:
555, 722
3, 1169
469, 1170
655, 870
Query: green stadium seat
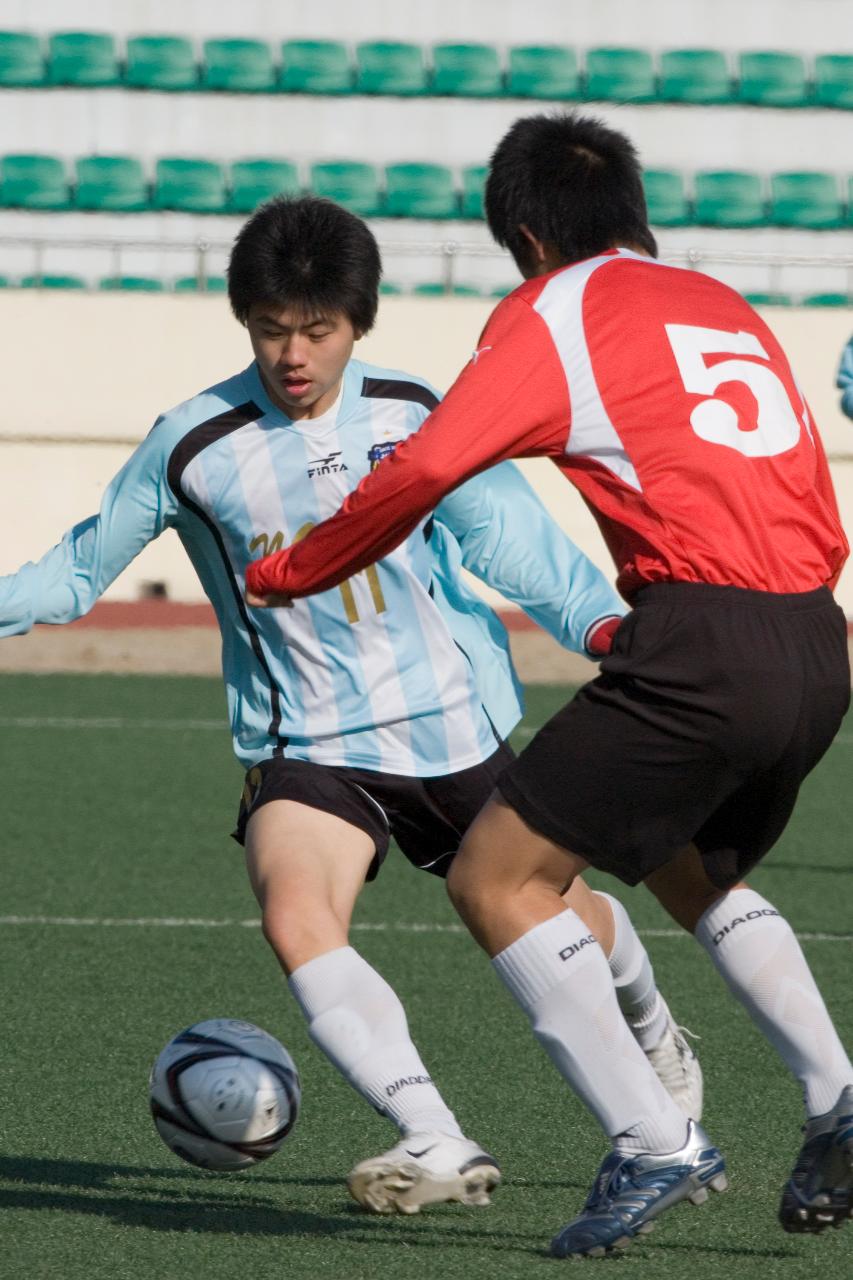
729, 198
33, 182
131, 284
161, 62
666, 198
437, 289
389, 67
695, 75
620, 75
192, 284
543, 71
473, 187
350, 183
315, 66
805, 200
85, 58
21, 61
238, 66
768, 299
114, 183
833, 80
389, 289
254, 181
52, 282
828, 300
501, 290
420, 191
193, 186
466, 70
772, 79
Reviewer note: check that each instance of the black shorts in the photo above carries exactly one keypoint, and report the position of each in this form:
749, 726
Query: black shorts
711, 709
426, 816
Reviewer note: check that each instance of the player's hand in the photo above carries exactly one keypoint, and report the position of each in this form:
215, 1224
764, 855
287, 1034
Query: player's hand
272, 601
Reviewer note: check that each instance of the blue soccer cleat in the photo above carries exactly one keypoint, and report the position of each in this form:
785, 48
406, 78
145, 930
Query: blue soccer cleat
819, 1192
630, 1191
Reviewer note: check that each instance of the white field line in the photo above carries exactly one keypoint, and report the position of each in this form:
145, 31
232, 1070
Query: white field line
171, 726
401, 926
107, 722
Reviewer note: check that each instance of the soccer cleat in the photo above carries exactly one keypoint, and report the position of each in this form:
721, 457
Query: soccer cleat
819, 1192
630, 1191
425, 1168
677, 1067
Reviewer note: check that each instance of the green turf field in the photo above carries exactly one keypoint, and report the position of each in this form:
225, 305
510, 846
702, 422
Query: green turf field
117, 798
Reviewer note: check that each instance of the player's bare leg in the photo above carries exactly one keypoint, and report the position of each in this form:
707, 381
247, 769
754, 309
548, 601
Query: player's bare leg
759, 957
307, 868
506, 882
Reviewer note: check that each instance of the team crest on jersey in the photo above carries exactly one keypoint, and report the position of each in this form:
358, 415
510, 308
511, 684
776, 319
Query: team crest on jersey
326, 466
377, 452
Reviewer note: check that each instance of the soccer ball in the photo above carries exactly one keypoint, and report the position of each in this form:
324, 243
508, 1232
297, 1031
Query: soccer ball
224, 1094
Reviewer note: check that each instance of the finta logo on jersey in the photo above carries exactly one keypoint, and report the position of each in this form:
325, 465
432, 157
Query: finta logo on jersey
568, 952
391, 1089
326, 466
377, 452
733, 924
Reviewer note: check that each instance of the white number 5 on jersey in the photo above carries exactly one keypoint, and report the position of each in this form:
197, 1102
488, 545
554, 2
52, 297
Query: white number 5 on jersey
715, 420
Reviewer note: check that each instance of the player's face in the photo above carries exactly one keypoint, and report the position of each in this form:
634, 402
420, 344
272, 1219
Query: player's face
301, 357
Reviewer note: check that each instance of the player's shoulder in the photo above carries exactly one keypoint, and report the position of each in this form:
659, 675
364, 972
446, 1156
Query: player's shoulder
375, 382
221, 401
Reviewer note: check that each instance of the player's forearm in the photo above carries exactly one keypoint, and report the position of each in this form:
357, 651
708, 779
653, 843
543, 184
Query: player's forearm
374, 519
52, 590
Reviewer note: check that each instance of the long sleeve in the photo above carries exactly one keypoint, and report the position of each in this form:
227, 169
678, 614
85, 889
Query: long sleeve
511, 400
67, 581
509, 541
844, 381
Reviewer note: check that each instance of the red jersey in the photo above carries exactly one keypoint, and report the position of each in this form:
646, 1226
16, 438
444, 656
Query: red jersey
660, 394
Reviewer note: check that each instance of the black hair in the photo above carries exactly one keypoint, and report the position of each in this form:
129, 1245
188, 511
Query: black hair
575, 184
306, 253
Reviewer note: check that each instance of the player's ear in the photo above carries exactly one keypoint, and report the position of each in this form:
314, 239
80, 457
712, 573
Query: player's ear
537, 247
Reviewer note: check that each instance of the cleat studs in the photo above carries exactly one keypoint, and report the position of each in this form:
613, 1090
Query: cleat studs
645, 1229
720, 1183
698, 1197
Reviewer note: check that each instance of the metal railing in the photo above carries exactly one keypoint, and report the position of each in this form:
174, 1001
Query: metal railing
448, 253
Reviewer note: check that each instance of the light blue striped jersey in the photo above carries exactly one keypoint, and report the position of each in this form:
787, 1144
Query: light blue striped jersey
402, 669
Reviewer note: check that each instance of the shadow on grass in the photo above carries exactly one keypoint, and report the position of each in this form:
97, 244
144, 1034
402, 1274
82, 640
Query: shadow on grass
210, 1205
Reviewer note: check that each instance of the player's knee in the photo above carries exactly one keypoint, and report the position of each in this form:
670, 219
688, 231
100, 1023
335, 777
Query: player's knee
464, 887
297, 931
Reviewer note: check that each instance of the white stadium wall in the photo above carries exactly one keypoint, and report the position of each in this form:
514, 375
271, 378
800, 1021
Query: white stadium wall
90, 374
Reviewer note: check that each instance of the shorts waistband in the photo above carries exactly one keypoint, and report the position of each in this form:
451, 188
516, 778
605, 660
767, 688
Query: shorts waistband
706, 593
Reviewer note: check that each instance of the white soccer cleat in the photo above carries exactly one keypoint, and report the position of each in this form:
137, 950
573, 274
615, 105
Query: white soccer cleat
677, 1067
425, 1168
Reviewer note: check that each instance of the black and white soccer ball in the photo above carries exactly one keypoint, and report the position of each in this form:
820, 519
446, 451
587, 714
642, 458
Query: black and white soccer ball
224, 1094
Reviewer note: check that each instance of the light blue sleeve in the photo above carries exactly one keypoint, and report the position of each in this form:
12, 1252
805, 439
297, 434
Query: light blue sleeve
509, 540
844, 381
67, 581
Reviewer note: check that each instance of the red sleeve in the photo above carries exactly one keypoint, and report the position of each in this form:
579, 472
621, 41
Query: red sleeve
511, 400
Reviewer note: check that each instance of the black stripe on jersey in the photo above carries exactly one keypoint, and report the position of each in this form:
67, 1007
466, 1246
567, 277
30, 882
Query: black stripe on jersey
398, 389
192, 444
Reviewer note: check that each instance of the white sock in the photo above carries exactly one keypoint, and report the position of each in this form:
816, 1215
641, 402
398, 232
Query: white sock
756, 952
359, 1023
639, 999
558, 974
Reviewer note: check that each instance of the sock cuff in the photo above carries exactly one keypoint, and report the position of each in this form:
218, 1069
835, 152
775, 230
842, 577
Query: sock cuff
538, 961
728, 918
316, 984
